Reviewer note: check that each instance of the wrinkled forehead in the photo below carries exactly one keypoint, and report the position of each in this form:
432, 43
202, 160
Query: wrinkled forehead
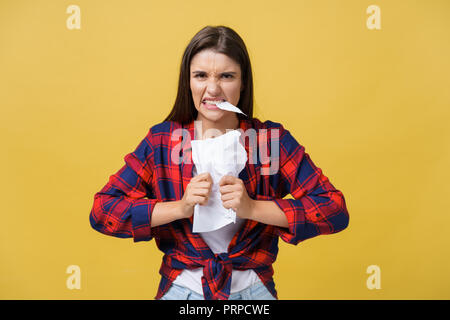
212, 61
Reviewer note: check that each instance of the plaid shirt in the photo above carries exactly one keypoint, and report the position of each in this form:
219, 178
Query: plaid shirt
123, 207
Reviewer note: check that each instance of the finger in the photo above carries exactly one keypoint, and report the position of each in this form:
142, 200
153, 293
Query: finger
209, 178
201, 184
228, 196
200, 200
227, 188
228, 204
200, 177
227, 179
205, 176
200, 191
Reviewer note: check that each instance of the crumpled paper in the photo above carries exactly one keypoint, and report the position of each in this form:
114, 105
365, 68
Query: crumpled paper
220, 156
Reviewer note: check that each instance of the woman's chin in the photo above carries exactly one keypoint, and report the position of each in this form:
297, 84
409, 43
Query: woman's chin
211, 115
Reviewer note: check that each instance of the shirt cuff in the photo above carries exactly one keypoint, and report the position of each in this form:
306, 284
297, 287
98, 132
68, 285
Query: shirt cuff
141, 214
298, 216
287, 234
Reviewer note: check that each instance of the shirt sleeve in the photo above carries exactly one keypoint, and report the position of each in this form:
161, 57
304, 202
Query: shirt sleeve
318, 207
120, 208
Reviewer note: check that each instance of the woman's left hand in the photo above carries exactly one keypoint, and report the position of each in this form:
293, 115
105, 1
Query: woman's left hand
235, 196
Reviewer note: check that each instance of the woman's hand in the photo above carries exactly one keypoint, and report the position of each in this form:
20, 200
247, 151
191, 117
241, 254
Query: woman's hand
235, 196
197, 191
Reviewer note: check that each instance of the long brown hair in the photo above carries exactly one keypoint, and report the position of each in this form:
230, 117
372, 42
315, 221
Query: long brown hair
222, 40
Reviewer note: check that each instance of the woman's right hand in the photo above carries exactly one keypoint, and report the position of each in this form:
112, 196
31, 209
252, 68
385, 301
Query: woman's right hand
197, 191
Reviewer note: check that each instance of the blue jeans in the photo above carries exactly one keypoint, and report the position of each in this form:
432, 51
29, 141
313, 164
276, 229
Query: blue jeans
258, 291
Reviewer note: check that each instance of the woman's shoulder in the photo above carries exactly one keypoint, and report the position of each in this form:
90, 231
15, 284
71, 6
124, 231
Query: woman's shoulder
165, 127
160, 133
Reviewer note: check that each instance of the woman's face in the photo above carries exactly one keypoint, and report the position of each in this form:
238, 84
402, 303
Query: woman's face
214, 76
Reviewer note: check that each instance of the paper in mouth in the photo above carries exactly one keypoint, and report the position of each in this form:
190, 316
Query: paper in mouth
225, 105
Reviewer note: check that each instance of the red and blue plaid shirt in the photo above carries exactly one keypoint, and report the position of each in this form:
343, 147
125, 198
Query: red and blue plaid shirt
123, 207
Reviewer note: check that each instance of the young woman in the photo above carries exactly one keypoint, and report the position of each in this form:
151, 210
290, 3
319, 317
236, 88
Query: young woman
154, 194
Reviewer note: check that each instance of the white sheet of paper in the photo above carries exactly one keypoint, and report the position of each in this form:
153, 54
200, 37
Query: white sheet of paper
220, 156
229, 107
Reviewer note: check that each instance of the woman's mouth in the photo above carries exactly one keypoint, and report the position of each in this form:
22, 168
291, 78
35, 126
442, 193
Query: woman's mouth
210, 105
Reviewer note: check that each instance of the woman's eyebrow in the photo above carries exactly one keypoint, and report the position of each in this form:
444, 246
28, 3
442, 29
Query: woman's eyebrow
199, 71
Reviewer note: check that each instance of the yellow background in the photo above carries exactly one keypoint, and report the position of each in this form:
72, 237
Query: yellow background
371, 108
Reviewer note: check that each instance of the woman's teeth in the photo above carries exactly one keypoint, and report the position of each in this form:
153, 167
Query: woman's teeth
212, 102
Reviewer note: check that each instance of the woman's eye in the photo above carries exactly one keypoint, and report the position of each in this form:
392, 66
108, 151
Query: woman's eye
200, 75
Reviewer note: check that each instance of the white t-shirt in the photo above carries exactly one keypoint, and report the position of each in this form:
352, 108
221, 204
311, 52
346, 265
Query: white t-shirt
218, 241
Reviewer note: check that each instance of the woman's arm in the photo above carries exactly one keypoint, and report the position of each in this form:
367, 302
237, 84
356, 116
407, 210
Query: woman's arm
121, 208
166, 212
267, 212
317, 208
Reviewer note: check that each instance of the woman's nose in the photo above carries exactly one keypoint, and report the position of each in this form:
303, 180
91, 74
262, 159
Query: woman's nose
213, 87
